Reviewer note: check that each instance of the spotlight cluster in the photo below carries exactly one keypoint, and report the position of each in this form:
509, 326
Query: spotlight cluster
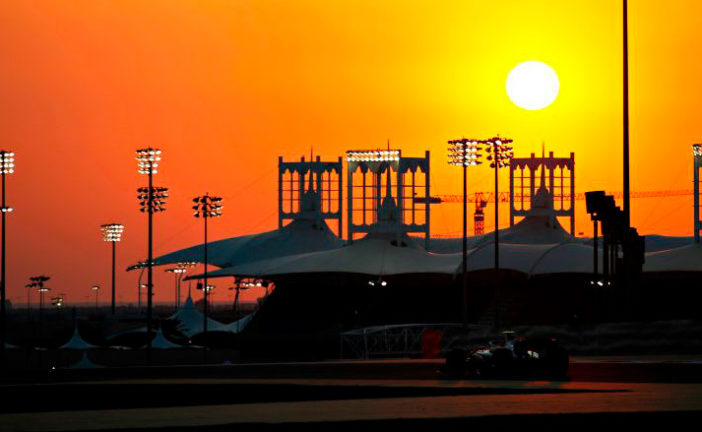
148, 159
209, 287
373, 156
207, 206
181, 267
697, 150
7, 162
158, 199
112, 232
500, 150
251, 283
464, 152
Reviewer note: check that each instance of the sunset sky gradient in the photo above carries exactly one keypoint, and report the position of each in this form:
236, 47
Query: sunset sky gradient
225, 87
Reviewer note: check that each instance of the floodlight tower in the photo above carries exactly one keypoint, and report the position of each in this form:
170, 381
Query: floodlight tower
179, 272
206, 207
697, 163
152, 199
499, 154
464, 153
7, 166
38, 283
96, 290
112, 233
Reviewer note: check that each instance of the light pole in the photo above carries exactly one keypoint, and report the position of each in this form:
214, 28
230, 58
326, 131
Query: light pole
206, 207
29, 287
7, 166
179, 271
112, 233
38, 283
152, 199
96, 289
464, 152
499, 154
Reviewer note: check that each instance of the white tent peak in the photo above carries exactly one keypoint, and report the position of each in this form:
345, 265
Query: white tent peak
77, 342
191, 321
84, 363
160, 342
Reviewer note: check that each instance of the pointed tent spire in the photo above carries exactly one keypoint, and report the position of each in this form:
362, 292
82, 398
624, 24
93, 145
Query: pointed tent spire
160, 342
77, 342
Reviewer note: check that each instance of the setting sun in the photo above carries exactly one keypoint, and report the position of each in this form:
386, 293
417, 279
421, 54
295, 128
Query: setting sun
532, 85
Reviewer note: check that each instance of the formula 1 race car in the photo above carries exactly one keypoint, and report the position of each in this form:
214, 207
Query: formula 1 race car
511, 358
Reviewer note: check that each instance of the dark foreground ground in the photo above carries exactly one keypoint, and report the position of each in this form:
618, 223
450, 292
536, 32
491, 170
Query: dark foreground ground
352, 395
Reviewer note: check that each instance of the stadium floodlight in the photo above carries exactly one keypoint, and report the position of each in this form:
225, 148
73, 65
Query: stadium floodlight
206, 207
148, 159
38, 283
697, 151
7, 166
151, 199
464, 152
179, 271
373, 155
500, 153
96, 290
112, 233
58, 301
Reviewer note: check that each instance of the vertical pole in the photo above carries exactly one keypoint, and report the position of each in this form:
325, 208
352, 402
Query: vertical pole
497, 242
280, 192
141, 274
696, 200
349, 200
204, 287
2, 271
464, 270
149, 270
627, 210
339, 198
594, 251
605, 254
114, 248
511, 193
572, 194
378, 176
427, 205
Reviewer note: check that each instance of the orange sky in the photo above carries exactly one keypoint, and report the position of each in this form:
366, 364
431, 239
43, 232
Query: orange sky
224, 87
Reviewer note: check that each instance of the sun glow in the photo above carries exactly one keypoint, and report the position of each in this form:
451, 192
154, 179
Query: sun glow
532, 85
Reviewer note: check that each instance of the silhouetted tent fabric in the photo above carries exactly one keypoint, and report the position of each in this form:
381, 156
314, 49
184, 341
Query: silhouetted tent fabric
534, 229
240, 324
190, 320
129, 331
533, 259
656, 243
516, 257
160, 342
300, 235
568, 258
539, 227
84, 363
76, 342
377, 255
682, 259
